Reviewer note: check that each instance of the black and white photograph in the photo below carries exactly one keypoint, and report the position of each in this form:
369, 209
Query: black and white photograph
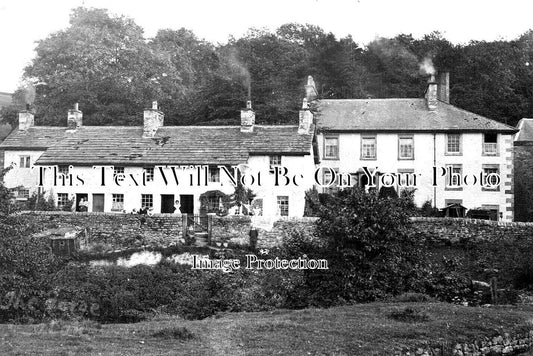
243, 177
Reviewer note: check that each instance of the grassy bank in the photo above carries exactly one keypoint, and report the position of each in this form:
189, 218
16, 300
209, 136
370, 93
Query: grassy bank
366, 329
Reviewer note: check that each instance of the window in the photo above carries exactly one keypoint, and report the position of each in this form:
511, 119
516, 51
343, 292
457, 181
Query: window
491, 177
147, 200
406, 148
118, 173
148, 173
213, 202
326, 179
283, 205
274, 161
490, 144
62, 200
331, 148
117, 203
62, 170
406, 180
368, 147
454, 176
214, 174
448, 202
118, 170
24, 162
453, 144
23, 194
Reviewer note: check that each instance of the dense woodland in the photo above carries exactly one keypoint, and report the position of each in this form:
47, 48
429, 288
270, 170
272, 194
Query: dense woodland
105, 63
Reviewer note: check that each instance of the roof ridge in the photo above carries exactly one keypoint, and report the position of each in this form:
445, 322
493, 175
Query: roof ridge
478, 115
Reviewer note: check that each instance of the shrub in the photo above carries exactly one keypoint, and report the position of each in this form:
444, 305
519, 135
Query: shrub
177, 333
412, 298
409, 315
371, 249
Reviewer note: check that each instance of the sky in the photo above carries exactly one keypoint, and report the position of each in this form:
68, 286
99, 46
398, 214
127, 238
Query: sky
23, 22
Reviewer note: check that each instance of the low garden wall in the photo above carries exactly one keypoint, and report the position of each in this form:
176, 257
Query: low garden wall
132, 230
454, 230
104, 231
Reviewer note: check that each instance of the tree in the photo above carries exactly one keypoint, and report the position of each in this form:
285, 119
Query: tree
370, 247
104, 63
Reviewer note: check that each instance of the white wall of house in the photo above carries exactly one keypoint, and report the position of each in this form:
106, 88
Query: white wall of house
92, 184
430, 151
24, 177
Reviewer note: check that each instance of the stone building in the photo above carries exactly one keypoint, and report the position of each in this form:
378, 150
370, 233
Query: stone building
120, 169
399, 140
523, 165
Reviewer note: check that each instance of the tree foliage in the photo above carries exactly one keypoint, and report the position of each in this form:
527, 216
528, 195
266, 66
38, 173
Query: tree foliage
105, 63
372, 251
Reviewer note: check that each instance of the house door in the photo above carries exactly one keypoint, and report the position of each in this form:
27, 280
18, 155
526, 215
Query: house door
81, 198
167, 203
98, 202
187, 204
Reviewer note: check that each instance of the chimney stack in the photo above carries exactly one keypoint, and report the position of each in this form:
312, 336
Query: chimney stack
431, 94
306, 119
310, 90
74, 118
26, 119
247, 118
152, 120
444, 87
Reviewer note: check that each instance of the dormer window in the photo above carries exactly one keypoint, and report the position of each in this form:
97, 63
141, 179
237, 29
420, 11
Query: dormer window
24, 162
274, 161
331, 148
490, 144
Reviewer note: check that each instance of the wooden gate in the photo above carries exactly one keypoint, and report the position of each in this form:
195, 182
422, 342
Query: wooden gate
198, 226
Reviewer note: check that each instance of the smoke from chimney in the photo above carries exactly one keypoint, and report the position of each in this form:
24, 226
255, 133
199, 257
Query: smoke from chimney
427, 67
238, 71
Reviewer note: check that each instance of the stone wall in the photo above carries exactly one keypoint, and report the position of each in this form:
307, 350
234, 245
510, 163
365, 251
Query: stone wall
454, 230
497, 345
115, 231
160, 230
235, 229
523, 168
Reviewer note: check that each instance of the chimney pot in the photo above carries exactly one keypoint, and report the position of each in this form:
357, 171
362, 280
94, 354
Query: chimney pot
74, 118
431, 94
306, 119
310, 89
26, 119
444, 87
247, 118
153, 119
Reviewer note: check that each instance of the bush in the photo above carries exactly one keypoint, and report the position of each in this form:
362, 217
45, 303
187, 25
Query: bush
372, 252
176, 333
409, 315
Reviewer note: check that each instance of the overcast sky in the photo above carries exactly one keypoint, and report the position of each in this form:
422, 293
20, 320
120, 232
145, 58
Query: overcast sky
22, 22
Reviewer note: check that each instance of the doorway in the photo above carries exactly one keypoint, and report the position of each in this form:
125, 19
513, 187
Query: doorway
167, 203
187, 203
98, 202
82, 198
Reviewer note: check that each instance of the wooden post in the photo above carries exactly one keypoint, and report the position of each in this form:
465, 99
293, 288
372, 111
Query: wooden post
184, 226
493, 290
209, 228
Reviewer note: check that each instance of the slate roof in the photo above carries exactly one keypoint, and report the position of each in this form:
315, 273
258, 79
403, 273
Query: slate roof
525, 135
400, 115
109, 145
35, 138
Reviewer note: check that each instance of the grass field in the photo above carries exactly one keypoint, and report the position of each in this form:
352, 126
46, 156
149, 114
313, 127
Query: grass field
365, 329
